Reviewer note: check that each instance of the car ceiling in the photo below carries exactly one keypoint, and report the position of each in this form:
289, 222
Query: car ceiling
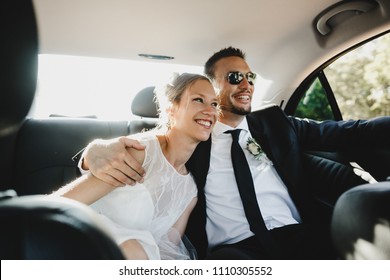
278, 36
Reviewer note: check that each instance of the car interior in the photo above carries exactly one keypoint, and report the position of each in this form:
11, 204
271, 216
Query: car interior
40, 155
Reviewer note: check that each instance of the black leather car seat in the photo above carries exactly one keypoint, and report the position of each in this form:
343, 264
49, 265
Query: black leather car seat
39, 227
361, 222
44, 149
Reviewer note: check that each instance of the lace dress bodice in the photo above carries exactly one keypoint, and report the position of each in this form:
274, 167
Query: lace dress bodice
148, 211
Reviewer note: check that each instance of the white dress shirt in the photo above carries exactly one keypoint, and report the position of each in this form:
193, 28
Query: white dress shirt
226, 221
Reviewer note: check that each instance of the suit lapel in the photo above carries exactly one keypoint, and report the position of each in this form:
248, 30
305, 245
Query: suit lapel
273, 131
261, 136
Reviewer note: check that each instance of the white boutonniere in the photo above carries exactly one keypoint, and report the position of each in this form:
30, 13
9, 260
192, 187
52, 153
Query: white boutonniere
254, 148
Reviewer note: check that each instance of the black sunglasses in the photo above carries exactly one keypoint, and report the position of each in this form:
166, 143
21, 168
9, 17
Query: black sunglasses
234, 78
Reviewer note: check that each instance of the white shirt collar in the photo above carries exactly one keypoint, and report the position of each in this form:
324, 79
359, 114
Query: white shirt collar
220, 128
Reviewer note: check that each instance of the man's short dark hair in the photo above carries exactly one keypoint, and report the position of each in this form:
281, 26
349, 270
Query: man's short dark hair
226, 52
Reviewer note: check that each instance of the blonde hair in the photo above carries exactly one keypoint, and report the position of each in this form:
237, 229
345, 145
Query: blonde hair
172, 92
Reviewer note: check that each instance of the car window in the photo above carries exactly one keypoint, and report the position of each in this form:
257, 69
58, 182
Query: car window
95, 87
355, 86
315, 104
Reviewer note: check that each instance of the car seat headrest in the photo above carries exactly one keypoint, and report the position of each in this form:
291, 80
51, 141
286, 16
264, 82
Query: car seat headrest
363, 212
53, 228
144, 103
19, 62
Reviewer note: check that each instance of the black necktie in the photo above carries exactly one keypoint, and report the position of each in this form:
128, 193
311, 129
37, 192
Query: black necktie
248, 196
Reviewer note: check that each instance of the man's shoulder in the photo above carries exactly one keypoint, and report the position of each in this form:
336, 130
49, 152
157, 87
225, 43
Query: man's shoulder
268, 112
266, 109
267, 106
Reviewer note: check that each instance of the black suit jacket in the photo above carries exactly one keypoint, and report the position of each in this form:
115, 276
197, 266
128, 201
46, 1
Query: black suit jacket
284, 139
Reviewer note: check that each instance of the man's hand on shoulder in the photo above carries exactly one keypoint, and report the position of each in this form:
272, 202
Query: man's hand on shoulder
109, 161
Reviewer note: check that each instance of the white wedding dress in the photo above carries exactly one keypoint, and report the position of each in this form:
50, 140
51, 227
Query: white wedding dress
146, 212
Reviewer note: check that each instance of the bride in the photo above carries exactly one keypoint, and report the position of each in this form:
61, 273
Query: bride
148, 220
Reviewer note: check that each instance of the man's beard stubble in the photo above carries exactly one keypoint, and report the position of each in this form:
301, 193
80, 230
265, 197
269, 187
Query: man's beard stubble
236, 110
240, 111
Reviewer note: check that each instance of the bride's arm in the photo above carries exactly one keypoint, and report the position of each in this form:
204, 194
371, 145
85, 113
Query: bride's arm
86, 189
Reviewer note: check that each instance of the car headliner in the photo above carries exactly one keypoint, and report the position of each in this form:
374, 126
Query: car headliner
279, 36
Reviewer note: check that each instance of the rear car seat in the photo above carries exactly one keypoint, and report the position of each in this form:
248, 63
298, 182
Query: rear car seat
44, 147
44, 150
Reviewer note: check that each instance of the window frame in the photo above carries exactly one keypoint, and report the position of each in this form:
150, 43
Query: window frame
296, 97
